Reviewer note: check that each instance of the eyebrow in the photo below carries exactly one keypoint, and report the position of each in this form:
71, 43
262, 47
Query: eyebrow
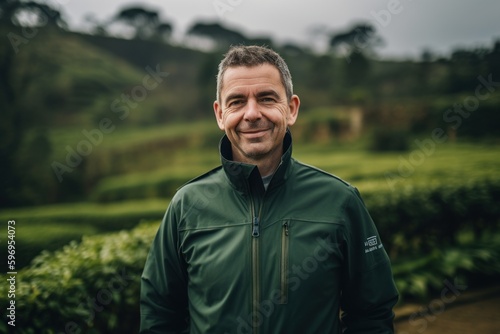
268, 93
237, 96
234, 96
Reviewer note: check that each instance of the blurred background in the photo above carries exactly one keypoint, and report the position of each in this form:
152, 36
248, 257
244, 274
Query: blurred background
106, 109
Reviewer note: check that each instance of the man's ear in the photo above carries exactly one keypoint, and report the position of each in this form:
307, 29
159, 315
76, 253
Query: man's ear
293, 107
218, 115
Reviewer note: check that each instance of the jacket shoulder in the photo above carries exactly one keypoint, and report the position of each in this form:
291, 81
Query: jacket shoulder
322, 175
208, 176
315, 178
193, 186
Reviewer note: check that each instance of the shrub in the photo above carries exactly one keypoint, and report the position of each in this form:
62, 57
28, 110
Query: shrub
52, 227
93, 286
468, 265
90, 287
419, 218
390, 140
118, 190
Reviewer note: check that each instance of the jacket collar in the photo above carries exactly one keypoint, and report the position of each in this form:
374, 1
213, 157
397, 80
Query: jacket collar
246, 177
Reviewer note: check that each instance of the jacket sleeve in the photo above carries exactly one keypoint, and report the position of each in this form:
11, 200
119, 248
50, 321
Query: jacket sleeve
368, 290
163, 302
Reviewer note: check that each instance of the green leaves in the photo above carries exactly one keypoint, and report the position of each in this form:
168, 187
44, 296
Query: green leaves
433, 233
420, 277
92, 286
421, 218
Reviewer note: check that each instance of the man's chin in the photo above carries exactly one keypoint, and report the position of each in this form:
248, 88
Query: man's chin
256, 155
253, 151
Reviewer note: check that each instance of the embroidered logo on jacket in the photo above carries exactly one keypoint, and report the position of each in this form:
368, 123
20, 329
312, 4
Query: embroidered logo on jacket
372, 244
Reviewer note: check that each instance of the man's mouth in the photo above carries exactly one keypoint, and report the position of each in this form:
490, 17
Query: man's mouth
251, 132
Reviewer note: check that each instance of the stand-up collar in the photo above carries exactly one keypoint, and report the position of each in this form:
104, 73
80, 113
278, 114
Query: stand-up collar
245, 176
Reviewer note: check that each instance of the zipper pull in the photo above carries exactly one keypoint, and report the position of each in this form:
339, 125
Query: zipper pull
255, 230
285, 226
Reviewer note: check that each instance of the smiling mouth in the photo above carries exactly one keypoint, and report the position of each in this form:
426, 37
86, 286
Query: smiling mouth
254, 133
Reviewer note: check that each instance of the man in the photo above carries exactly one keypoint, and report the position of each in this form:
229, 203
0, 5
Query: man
264, 243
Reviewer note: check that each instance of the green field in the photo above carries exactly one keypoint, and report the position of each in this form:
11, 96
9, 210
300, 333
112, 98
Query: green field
141, 191
168, 155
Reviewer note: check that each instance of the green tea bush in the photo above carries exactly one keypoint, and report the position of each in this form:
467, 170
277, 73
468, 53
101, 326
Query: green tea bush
93, 286
390, 140
471, 265
417, 219
52, 227
138, 189
87, 287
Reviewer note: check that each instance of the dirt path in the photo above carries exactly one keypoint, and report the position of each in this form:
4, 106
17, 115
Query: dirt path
475, 313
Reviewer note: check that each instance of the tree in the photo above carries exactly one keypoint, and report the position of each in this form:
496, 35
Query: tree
361, 38
97, 27
164, 31
464, 67
493, 59
354, 44
357, 69
34, 14
322, 67
144, 21
7, 10
11, 127
17, 118
222, 36
263, 41
293, 49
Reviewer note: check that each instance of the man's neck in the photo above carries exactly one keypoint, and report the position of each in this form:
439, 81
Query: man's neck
266, 169
266, 166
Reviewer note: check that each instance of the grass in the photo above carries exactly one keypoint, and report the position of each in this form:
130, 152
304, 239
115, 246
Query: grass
103, 217
124, 136
53, 226
450, 163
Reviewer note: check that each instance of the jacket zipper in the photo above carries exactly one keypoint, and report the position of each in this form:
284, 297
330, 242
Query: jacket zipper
284, 263
255, 227
255, 268
255, 285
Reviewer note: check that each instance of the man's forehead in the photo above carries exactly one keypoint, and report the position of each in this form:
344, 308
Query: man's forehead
251, 71
263, 76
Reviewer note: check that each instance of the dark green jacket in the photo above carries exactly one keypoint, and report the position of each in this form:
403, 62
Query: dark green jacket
231, 257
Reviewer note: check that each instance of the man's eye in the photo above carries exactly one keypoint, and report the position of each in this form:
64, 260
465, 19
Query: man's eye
235, 103
267, 100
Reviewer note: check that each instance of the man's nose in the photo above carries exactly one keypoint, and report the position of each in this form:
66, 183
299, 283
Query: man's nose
252, 111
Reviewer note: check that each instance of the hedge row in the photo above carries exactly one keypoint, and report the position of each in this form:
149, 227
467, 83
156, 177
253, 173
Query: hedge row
90, 287
164, 187
415, 220
52, 227
410, 220
467, 266
93, 286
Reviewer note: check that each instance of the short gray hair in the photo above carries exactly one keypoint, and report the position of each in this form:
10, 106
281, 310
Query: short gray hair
253, 55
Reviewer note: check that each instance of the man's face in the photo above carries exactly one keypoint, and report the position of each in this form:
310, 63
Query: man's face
254, 112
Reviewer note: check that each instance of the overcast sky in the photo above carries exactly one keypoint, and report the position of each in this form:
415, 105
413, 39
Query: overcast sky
406, 26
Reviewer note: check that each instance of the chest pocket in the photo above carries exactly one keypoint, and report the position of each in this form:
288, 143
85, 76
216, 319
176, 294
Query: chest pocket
310, 258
